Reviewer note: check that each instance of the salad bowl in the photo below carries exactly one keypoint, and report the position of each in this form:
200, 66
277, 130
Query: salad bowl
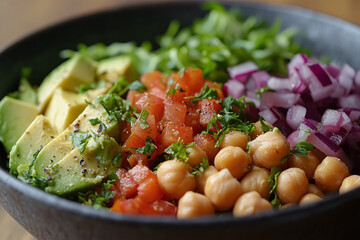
50, 217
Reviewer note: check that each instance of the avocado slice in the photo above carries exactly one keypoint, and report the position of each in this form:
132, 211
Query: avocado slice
77, 171
15, 117
37, 135
70, 74
64, 108
111, 69
59, 147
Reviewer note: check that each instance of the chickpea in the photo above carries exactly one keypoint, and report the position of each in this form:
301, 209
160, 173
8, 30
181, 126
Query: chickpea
257, 180
196, 155
175, 178
288, 205
292, 185
202, 177
330, 173
307, 163
235, 139
235, 159
268, 149
315, 190
309, 198
222, 189
258, 130
194, 205
250, 203
350, 183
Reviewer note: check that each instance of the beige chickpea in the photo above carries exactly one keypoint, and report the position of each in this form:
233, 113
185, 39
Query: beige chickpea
258, 130
222, 189
175, 178
235, 139
315, 190
235, 159
292, 185
350, 183
307, 163
257, 180
196, 155
202, 177
330, 173
194, 205
268, 149
288, 205
309, 198
249, 204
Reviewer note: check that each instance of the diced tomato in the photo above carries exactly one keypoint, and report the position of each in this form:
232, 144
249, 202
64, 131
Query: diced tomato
164, 208
133, 96
140, 173
125, 132
154, 105
152, 80
192, 118
207, 143
133, 206
216, 86
149, 190
194, 79
155, 91
173, 132
138, 135
207, 107
145, 159
174, 112
126, 185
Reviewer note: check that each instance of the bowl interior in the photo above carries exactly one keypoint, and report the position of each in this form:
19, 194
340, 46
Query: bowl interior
40, 51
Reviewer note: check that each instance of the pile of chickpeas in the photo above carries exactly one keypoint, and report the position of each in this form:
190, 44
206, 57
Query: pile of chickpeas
238, 179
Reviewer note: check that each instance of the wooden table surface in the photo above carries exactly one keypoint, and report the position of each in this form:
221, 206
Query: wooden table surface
19, 18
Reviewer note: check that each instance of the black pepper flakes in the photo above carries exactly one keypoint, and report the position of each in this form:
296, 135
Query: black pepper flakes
82, 162
83, 171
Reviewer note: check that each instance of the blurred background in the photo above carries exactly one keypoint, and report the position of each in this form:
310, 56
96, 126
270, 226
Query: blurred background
19, 18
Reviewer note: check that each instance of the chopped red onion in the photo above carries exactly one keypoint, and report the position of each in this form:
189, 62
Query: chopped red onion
277, 83
350, 101
277, 99
325, 145
332, 120
296, 62
333, 70
295, 116
346, 78
298, 83
260, 78
270, 115
234, 88
354, 114
242, 71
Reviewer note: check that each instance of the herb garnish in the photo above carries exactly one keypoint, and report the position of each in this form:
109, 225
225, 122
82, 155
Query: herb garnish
95, 121
302, 148
142, 119
265, 128
201, 167
99, 199
206, 93
178, 150
149, 147
273, 179
80, 140
86, 87
231, 117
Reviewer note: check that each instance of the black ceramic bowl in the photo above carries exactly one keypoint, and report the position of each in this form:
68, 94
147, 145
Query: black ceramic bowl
50, 217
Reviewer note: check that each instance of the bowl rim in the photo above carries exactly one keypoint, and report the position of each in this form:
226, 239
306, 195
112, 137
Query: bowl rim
276, 216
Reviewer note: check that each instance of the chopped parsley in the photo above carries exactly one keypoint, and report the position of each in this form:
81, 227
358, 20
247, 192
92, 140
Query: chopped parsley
142, 119
265, 128
231, 117
302, 148
149, 147
172, 91
206, 93
178, 150
90, 104
80, 140
137, 86
273, 179
201, 167
96, 121
86, 87
99, 199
